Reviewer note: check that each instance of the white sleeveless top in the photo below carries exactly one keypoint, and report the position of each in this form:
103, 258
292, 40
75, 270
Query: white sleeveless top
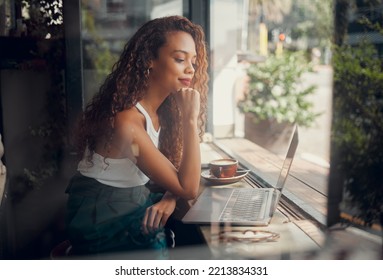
120, 173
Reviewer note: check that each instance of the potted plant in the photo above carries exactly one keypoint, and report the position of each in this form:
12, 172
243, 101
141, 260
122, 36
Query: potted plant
276, 99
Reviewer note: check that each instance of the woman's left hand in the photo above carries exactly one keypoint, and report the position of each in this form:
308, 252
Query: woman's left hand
158, 214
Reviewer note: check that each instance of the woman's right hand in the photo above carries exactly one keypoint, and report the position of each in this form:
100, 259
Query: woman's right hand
188, 101
158, 214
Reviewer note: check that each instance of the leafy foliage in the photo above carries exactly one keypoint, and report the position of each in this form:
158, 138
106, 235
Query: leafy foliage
97, 49
276, 92
44, 18
358, 126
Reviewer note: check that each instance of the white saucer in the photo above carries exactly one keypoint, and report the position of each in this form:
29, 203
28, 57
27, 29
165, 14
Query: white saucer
211, 178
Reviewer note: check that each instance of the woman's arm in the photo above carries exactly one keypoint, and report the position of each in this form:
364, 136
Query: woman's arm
184, 182
158, 214
190, 166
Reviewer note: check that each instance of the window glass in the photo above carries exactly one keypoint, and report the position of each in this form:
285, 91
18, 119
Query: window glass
251, 34
271, 66
226, 38
107, 25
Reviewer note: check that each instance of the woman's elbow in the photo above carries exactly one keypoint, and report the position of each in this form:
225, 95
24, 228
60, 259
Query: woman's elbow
190, 194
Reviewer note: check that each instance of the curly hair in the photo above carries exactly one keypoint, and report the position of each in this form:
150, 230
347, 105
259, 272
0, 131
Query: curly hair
128, 81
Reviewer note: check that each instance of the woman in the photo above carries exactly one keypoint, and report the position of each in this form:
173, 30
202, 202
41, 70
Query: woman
144, 125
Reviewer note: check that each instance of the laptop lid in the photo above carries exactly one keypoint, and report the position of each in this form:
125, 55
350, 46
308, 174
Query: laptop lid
285, 170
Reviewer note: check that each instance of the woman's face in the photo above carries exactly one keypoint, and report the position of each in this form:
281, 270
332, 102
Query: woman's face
174, 67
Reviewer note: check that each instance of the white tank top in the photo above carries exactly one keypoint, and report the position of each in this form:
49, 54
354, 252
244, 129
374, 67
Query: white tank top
120, 173
153, 134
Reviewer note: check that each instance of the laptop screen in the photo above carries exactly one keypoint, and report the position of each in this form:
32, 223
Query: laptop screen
288, 160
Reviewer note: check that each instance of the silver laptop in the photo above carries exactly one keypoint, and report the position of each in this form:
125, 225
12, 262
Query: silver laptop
242, 206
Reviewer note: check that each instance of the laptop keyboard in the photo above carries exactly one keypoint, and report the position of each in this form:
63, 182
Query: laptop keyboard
245, 205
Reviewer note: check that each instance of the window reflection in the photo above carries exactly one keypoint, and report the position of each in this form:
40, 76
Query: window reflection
251, 33
274, 58
107, 25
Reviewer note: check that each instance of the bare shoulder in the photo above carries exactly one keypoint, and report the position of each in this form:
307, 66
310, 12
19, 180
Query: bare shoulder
129, 126
130, 117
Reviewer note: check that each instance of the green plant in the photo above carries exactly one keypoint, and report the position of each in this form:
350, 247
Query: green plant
44, 18
275, 90
358, 128
98, 51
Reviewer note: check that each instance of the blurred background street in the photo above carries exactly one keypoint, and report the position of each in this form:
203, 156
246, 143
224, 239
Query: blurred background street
315, 141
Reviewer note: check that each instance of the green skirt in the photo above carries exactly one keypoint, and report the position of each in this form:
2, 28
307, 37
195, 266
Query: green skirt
102, 218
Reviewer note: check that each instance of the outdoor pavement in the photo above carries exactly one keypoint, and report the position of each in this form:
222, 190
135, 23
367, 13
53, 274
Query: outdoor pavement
314, 142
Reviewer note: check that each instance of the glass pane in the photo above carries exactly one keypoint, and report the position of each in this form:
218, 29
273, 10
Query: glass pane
107, 25
271, 68
286, 47
226, 40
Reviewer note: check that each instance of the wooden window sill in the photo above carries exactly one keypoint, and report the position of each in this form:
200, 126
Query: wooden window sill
306, 186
